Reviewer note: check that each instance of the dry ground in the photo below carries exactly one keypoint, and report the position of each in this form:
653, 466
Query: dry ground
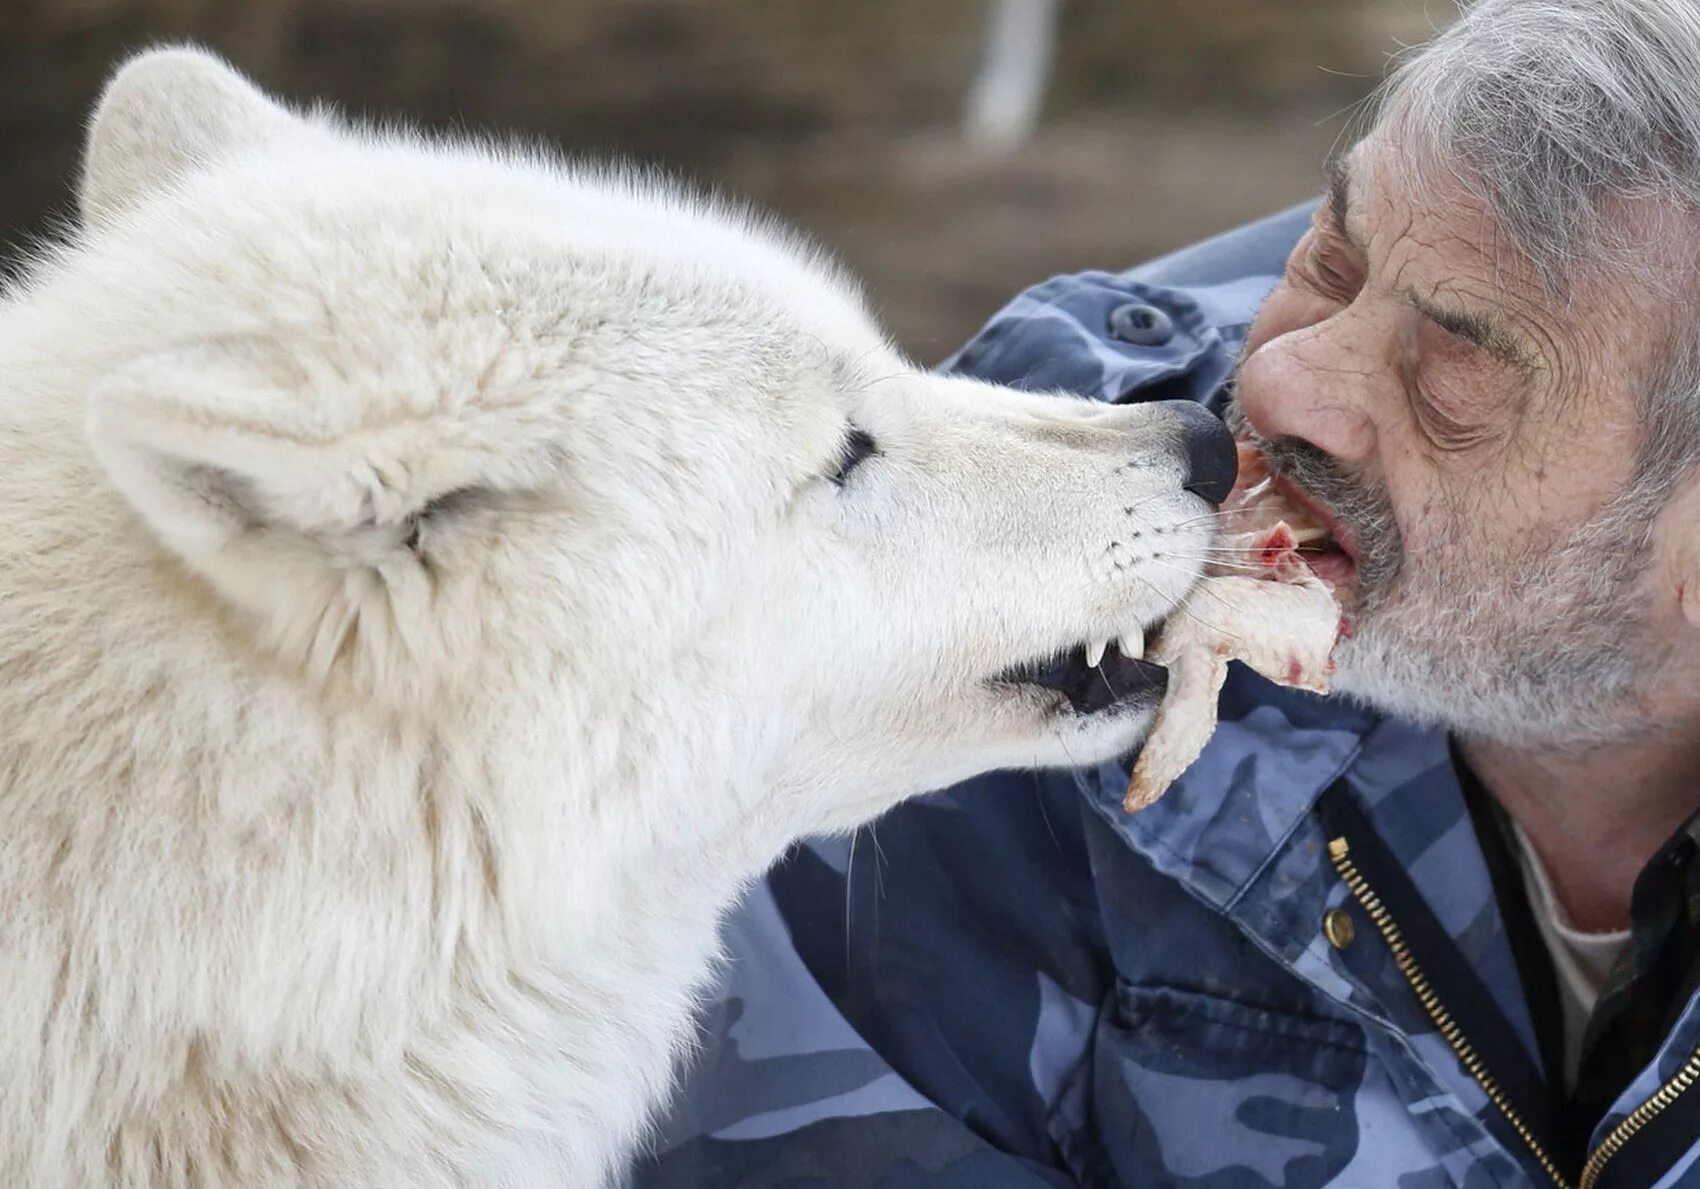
1165, 121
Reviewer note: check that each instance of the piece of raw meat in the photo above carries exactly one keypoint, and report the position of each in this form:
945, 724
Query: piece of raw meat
1265, 608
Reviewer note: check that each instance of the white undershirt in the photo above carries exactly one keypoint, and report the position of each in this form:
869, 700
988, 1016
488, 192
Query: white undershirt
1580, 960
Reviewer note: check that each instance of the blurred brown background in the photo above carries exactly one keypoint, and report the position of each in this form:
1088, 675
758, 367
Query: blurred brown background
1164, 120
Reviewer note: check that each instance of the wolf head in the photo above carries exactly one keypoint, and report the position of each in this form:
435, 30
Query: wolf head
456, 429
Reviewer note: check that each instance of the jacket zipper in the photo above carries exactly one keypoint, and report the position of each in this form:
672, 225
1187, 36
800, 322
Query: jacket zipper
1639, 1117
1340, 855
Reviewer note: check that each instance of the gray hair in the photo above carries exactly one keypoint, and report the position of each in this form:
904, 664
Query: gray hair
1557, 115
1555, 112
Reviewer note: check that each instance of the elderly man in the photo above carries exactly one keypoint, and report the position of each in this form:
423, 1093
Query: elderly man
1444, 930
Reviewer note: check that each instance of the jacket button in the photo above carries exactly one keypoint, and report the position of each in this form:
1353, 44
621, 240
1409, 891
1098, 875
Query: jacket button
1338, 928
1142, 325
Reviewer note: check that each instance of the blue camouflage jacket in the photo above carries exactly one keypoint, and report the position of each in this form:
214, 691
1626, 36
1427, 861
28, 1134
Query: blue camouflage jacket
1291, 971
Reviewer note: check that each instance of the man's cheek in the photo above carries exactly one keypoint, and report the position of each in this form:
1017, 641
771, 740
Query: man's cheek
1434, 538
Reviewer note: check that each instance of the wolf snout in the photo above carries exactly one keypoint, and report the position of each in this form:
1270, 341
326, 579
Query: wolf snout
1211, 457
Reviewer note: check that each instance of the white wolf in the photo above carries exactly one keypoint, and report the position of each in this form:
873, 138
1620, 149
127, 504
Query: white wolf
434, 581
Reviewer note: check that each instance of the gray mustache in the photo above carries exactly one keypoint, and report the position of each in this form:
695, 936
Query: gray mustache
1355, 503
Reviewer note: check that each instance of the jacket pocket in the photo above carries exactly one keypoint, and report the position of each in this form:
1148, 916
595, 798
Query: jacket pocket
1196, 1090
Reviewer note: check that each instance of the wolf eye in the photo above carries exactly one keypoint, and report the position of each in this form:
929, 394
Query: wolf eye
858, 447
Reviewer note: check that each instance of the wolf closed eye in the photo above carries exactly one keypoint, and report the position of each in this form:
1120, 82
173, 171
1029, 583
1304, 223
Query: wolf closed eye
858, 447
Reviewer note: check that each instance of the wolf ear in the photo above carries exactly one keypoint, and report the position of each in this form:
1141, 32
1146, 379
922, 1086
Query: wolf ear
301, 492
165, 112
234, 462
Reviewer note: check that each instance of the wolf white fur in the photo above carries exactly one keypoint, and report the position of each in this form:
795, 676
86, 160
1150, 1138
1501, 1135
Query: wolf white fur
424, 605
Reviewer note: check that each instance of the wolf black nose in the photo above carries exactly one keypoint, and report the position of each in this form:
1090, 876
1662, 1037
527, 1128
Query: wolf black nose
1212, 460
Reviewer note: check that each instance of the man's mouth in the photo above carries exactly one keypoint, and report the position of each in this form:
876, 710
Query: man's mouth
1094, 677
1263, 496
1325, 545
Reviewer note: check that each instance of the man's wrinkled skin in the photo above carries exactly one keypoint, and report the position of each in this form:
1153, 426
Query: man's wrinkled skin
1473, 435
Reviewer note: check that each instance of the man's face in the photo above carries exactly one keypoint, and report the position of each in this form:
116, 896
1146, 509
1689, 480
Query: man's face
1465, 435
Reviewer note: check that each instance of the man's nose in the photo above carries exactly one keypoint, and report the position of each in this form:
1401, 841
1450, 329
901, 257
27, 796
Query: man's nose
1294, 386
1212, 462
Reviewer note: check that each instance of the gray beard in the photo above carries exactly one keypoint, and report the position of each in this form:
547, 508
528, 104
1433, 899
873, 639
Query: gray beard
1551, 652
1549, 647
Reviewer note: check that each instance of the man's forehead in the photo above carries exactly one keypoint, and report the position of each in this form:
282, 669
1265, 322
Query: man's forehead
1382, 189
1447, 260
1467, 285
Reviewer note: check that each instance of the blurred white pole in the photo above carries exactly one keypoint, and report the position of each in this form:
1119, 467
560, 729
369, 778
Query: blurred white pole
1015, 69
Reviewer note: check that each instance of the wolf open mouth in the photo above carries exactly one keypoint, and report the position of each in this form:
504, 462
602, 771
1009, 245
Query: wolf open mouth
1113, 680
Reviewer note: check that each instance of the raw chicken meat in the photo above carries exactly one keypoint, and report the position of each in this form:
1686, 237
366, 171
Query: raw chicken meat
1265, 608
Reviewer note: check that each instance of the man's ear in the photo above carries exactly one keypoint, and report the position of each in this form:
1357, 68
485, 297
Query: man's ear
164, 113
1677, 538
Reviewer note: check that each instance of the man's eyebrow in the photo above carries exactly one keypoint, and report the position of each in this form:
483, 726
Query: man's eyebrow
1479, 330
1339, 171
